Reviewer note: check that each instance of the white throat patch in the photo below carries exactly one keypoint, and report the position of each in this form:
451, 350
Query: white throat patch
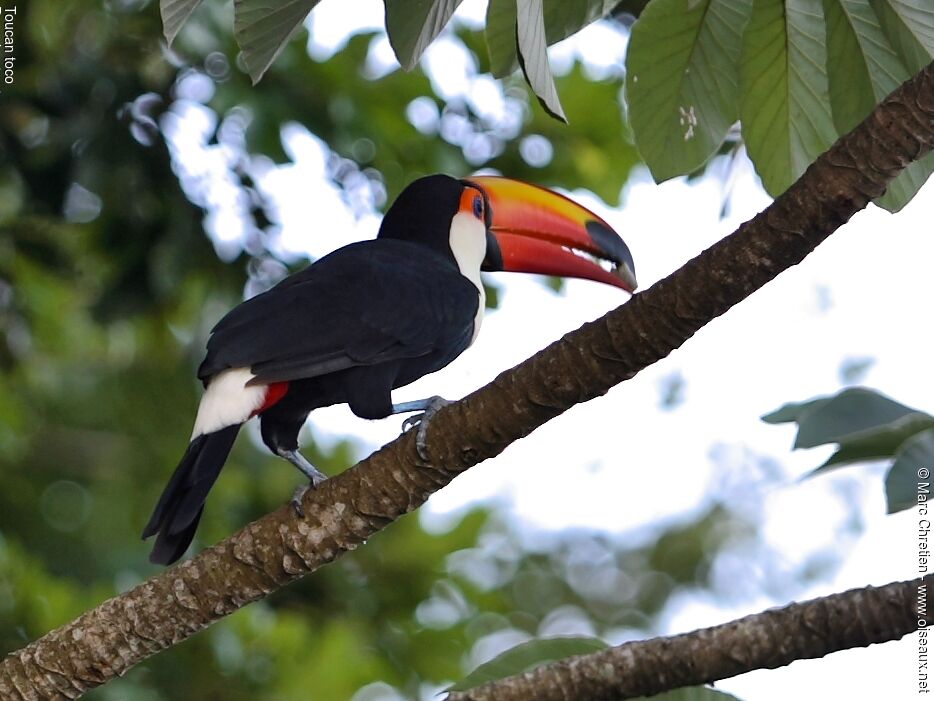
468, 244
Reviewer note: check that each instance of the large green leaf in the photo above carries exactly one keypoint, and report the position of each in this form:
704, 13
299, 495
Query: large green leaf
879, 442
174, 15
529, 655
859, 61
866, 425
793, 411
862, 69
682, 80
909, 26
533, 55
848, 416
784, 102
562, 19
910, 471
413, 24
500, 35
262, 28
854, 413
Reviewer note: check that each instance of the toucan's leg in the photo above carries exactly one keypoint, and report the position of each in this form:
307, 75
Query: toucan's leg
314, 475
428, 408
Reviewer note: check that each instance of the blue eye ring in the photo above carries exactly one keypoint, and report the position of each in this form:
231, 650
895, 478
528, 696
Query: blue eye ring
478, 207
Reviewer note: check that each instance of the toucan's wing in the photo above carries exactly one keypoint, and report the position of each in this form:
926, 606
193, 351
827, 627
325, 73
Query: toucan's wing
366, 303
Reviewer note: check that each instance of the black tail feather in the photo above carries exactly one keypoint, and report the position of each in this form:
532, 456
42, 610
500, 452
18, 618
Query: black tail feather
176, 516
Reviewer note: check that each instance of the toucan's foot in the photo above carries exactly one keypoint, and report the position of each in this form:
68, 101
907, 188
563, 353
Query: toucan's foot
314, 475
429, 408
297, 496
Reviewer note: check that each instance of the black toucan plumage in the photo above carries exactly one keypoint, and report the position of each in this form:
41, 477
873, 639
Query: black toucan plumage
370, 317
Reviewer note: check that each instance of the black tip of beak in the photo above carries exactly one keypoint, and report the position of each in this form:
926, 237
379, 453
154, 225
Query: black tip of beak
611, 244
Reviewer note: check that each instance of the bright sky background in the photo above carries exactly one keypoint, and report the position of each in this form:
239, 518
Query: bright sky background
620, 463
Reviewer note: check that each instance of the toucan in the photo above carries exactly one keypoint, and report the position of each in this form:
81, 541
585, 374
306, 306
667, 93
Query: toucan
373, 316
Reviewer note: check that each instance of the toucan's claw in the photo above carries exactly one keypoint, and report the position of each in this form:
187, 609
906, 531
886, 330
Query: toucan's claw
430, 407
297, 496
411, 421
314, 475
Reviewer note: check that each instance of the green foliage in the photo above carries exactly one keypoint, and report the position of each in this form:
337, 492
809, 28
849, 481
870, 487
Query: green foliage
797, 74
911, 469
863, 67
909, 26
262, 30
783, 107
561, 19
174, 15
840, 418
684, 97
413, 25
532, 50
866, 426
520, 30
500, 37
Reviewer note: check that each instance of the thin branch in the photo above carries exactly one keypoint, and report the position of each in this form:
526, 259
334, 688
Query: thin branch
348, 509
766, 640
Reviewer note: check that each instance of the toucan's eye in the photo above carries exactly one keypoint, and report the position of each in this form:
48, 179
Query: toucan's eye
478, 207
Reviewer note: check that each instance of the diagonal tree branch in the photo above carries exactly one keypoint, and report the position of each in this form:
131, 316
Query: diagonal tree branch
344, 512
766, 640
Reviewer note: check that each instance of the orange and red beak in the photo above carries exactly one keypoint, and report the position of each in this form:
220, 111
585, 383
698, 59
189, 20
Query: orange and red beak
534, 230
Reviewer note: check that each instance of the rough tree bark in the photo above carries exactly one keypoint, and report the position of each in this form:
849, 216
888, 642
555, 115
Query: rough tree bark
764, 640
279, 548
